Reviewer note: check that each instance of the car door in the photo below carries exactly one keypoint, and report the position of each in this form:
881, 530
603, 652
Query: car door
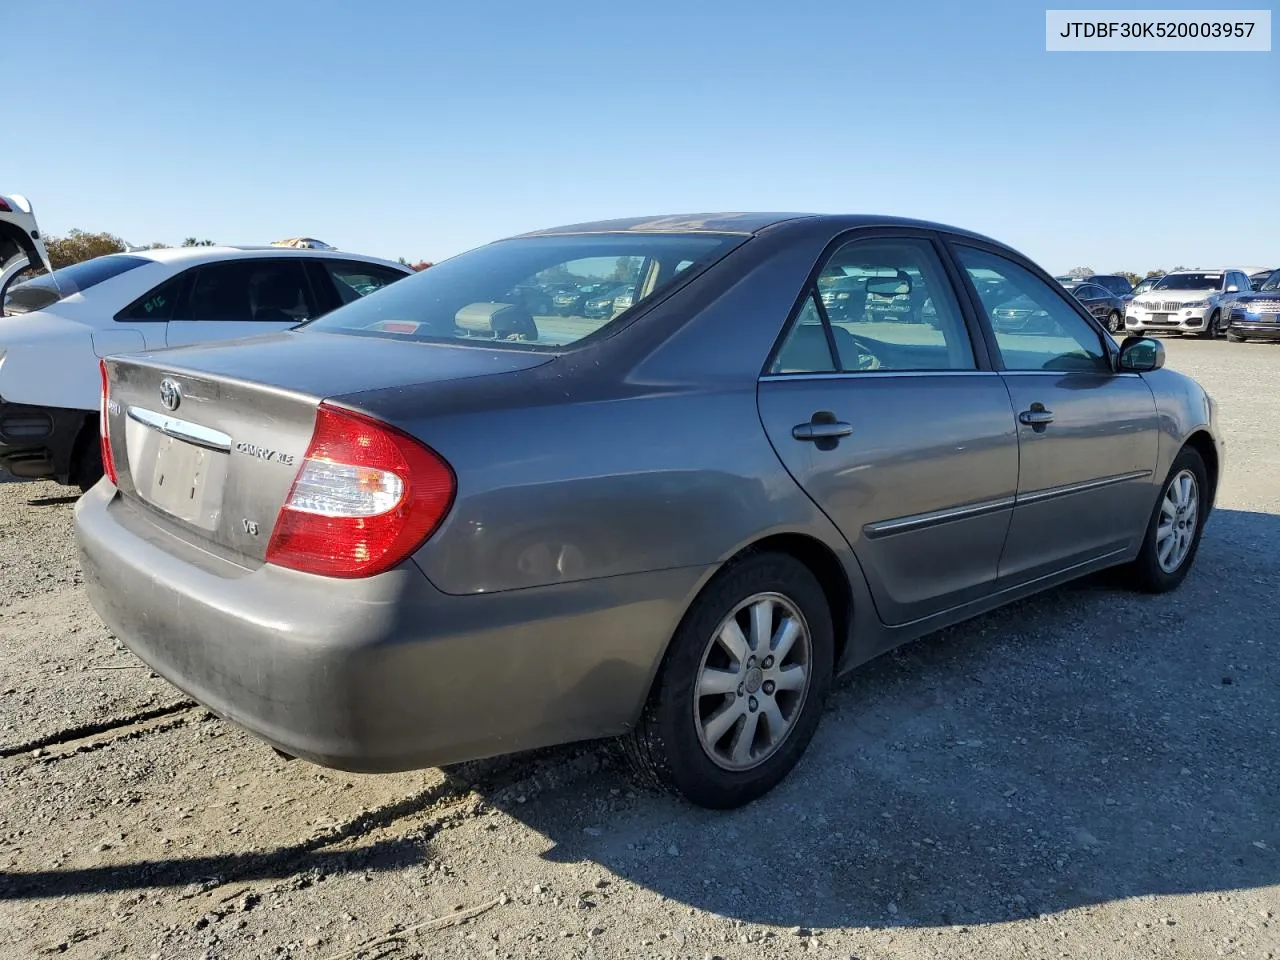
898, 430
240, 298
1087, 435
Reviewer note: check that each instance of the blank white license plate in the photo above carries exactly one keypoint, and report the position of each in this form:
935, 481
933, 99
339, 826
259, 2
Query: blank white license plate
1158, 318
183, 480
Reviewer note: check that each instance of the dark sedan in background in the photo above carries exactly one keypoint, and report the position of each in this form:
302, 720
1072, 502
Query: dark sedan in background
1113, 282
1107, 306
429, 527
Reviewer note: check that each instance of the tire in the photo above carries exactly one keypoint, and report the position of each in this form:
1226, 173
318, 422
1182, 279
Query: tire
1115, 322
1214, 330
86, 460
1148, 573
1235, 337
667, 746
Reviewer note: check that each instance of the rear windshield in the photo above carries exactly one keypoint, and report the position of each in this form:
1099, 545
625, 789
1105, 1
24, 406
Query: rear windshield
41, 291
533, 292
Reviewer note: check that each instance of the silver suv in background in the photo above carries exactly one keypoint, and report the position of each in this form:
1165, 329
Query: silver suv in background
1187, 301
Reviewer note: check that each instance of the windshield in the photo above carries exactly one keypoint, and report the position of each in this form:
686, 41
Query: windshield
1272, 282
1145, 285
532, 292
48, 288
1190, 281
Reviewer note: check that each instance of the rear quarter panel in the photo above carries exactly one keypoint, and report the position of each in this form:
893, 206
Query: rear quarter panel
605, 488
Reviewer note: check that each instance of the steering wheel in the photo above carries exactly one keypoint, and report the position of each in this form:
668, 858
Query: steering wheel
866, 358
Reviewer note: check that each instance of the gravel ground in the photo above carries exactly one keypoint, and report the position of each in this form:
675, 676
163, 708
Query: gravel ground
1086, 774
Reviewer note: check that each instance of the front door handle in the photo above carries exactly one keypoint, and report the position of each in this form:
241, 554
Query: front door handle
1037, 417
823, 426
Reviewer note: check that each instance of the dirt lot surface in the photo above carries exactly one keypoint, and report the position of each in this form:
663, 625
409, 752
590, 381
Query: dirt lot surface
1087, 774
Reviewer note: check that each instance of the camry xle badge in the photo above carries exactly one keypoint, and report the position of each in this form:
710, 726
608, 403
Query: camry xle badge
170, 394
264, 453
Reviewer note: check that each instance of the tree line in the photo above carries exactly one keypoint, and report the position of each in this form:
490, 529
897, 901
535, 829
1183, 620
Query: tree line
79, 245
1132, 277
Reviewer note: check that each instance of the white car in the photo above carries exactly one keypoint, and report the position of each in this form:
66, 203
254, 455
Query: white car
1187, 301
20, 242
55, 327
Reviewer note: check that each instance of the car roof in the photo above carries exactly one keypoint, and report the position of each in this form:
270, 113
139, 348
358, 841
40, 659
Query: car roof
743, 223
193, 255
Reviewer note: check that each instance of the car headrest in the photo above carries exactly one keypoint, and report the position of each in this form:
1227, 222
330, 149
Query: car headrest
499, 321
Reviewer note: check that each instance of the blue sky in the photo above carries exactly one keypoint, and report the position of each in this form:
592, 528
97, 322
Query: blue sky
420, 129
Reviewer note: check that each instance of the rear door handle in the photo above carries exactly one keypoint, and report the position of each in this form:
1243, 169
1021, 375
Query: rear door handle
821, 430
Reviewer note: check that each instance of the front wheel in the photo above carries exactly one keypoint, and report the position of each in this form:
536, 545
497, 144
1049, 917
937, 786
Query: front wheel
1115, 322
1214, 330
1173, 532
741, 688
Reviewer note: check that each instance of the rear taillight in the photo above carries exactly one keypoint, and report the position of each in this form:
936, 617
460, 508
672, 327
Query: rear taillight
4, 207
104, 425
366, 497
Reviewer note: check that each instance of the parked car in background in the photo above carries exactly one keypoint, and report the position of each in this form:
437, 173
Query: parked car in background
1256, 280
1107, 306
57, 325
387, 539
602, 302
1143, 286
1114, 282
1187, 301
1256, 315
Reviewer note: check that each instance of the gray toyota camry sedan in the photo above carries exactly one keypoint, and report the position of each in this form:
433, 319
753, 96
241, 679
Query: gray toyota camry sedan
442, 523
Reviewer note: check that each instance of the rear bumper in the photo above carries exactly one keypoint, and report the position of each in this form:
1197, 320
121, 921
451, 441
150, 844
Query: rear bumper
37, 443
380, 674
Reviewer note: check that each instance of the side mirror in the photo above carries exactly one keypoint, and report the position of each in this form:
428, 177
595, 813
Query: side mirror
1140, 354
1232, 288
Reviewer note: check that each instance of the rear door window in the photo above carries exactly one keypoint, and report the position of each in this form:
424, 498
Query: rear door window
262, 291
352, 279
157, 304
889, 306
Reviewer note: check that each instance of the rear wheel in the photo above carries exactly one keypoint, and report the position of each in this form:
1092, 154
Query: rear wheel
741, 689
1173, 532
86, 459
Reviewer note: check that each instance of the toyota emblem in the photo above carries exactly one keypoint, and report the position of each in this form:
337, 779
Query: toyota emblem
170, 394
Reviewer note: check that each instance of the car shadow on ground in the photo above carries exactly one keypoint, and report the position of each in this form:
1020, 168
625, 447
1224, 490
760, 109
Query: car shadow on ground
53, 501
1081, 747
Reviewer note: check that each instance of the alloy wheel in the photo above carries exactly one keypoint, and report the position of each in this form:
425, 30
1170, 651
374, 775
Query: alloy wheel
753, 681
1179, 514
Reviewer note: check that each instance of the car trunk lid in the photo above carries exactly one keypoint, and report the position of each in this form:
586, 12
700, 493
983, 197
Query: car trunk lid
210, 438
